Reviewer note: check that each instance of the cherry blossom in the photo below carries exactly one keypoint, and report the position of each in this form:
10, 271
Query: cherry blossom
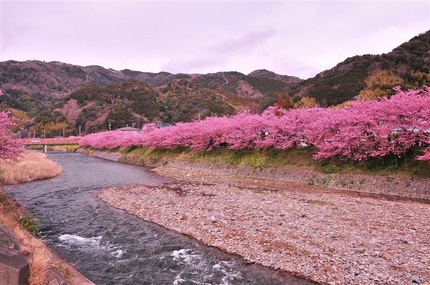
361, 130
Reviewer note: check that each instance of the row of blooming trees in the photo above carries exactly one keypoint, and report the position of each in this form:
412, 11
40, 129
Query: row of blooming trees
358, 131
9, 148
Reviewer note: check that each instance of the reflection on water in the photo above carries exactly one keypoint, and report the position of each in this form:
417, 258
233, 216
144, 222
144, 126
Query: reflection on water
111, 247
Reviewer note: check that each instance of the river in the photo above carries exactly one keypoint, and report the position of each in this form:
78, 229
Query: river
109, 246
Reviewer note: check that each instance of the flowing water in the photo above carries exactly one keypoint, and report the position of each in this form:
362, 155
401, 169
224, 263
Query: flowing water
110, 246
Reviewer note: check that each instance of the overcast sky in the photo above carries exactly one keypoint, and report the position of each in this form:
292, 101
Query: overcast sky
300, 38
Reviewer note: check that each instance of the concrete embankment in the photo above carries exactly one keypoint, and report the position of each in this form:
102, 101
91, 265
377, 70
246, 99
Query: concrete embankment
114, 156
14, 266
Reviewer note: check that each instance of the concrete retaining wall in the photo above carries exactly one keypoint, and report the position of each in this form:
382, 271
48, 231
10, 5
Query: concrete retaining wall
14, 269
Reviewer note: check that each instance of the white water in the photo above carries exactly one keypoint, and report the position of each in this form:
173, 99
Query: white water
90, 244
227, 270
187, 256
111, 247
86, 243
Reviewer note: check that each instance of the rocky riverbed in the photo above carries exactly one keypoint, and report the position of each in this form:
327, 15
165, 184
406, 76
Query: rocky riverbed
328, 235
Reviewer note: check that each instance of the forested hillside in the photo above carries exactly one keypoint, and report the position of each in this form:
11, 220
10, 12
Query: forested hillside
56, 99
407, 65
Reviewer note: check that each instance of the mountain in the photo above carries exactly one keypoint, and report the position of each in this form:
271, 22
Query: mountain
410, 61
53, 80
154, 79
185, 100
249, 86
266, 74
56, 98
134, 103
94, 108
61, 96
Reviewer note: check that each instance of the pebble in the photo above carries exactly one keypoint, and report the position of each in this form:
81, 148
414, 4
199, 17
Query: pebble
415, 280
353, 242
387, 256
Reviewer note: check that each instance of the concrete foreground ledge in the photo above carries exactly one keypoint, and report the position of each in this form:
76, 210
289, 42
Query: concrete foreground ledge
14, 268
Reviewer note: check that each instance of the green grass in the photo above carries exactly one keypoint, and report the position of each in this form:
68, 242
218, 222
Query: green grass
303, 158
28, 222
259, 157
406, 165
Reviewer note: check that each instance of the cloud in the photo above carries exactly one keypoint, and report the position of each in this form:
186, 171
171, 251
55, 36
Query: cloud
243, 43
221, 53
193, 65
290, 37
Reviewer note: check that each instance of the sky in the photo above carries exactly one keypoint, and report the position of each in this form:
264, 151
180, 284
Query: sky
291, 37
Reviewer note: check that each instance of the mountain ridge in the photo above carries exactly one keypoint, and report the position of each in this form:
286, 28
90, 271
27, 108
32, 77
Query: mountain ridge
343, 82
40, 90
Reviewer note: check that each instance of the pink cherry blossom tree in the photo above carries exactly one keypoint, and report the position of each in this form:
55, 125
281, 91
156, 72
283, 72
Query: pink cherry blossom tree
9, 147
359, 131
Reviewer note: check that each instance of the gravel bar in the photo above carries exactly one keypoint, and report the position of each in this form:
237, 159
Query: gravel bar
325, 235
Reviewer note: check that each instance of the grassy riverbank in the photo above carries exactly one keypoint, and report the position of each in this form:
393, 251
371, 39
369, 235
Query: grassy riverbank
404, 178
406, 166
13, 217
31, 166
65, 148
